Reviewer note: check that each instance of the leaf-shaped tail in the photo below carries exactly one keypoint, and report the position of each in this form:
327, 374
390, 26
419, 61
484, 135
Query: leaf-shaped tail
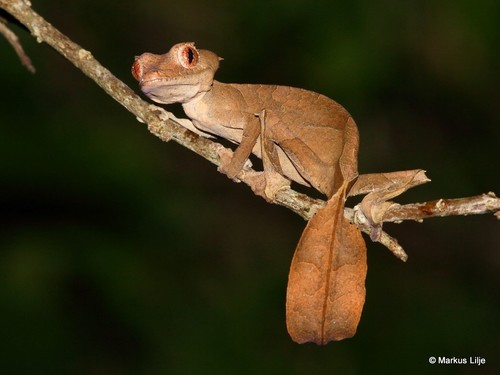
326, 284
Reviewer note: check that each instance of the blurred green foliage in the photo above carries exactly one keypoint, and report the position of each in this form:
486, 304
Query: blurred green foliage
120, 254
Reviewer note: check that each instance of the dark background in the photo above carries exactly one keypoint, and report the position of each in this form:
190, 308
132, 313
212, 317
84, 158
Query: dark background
120, 254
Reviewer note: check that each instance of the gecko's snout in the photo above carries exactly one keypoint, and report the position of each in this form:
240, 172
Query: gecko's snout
137, 70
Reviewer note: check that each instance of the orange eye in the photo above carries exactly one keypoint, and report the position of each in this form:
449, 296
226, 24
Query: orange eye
188, 56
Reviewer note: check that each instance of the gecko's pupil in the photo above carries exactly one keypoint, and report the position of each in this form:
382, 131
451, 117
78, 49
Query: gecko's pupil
190, 56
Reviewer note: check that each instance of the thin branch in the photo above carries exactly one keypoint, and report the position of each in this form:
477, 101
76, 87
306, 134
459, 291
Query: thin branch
160, 122
478, 205
165, 126
481, 204
18, 48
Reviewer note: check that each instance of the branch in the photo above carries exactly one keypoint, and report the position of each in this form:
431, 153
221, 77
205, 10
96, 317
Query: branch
165, 126
14, 42
480, 204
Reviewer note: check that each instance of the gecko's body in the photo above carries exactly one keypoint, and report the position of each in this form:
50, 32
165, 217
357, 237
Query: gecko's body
215, 112
298, 134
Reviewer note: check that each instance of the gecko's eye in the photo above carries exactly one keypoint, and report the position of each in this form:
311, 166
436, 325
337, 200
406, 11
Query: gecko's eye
188, 56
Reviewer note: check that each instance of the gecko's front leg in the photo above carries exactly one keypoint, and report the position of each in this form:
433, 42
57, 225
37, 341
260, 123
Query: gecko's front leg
232, 163
265, 183
273, 173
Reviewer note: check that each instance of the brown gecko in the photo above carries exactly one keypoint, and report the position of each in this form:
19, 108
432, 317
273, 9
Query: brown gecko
300, 136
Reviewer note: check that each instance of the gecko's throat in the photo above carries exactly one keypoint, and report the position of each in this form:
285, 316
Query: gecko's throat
167, 92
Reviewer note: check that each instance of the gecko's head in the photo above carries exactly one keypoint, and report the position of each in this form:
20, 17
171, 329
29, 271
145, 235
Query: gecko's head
178, 76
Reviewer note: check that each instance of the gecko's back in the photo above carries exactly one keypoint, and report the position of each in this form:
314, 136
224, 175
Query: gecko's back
313, 130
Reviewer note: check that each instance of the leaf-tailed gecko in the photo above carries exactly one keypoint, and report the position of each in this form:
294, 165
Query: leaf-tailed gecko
300, 136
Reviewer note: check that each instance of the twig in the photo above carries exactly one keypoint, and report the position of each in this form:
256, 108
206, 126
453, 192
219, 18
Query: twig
165, 126
480, 204
161, 123
14, 42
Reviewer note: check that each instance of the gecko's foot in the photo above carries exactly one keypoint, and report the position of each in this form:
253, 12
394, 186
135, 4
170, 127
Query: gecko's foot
228, 167
257, 182
373, 209
365, 219
274, 183
266, 185
263, 184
